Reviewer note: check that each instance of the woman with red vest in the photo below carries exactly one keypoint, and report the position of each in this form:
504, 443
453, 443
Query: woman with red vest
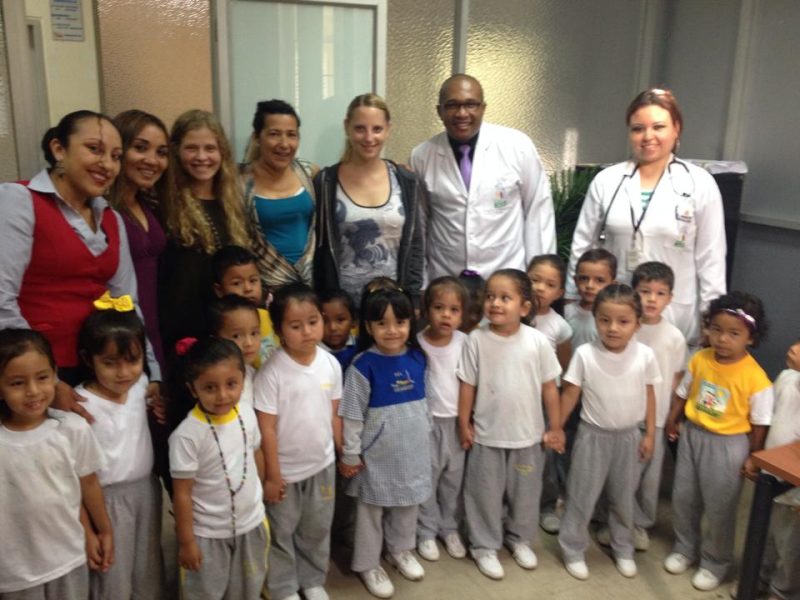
62, 246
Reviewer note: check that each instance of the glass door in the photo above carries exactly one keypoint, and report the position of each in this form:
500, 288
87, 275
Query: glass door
315, 55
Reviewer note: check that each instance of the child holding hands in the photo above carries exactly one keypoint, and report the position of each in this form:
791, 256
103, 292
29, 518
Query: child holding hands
297, 396
444, 302
726, 400
503, 428
615, 376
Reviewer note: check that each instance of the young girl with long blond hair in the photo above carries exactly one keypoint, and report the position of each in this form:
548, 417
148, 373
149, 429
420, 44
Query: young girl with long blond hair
203, 212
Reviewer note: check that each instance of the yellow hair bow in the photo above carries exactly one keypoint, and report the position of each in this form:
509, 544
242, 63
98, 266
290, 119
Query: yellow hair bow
121, 304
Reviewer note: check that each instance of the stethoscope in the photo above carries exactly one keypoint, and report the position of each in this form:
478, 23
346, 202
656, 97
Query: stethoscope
627, 176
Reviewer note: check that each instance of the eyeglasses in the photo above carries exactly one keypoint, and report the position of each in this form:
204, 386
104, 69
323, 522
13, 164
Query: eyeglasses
470, 106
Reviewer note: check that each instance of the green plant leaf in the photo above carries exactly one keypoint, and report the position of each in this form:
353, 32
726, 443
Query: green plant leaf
569, 188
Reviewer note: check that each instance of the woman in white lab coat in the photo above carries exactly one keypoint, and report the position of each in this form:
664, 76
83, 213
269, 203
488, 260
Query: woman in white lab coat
658, 207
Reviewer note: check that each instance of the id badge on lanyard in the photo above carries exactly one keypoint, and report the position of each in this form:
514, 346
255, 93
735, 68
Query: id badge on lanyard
634, 256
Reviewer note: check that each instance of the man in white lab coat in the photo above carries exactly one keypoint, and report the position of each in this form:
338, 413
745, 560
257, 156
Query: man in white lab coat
490, 204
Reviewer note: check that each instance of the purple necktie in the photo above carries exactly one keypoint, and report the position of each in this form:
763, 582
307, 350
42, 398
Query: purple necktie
465, 164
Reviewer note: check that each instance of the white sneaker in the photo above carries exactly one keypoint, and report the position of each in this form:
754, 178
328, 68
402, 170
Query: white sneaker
641, 540
454, 545
550, 522
627, 566
428, 550
676, 563
316, 593
408, 566
378, 583
294, 596
489, 565
578, 569
525, 557
705, 581
603, 536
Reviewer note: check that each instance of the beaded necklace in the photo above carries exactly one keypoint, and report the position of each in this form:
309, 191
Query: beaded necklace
206, 207
232, 491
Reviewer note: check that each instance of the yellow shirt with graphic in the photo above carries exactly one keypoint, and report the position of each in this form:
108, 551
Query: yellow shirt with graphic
269, 341
720, 396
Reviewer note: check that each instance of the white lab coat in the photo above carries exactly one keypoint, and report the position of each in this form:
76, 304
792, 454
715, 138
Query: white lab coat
505, 219
684, 227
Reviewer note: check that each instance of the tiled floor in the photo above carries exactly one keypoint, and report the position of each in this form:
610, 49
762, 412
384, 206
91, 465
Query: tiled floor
460, 579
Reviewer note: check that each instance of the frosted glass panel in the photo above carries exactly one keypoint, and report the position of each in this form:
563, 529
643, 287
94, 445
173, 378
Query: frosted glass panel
419, 58
562, 72
316, 57
156, 56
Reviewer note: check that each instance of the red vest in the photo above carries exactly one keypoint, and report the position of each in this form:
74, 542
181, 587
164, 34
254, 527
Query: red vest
63, 278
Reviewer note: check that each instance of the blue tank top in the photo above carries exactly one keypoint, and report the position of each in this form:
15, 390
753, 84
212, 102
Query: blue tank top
285, 222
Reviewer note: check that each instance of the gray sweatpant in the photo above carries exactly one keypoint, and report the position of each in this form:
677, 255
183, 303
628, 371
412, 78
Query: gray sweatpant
439, 515
707, 480
134, 508
645, 503
301, 533
781, 566
495, 476
233, 568
602, 459
74, 584
375, 525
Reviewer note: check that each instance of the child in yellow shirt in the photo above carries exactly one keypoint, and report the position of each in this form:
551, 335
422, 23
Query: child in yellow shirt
235, 271
726, 401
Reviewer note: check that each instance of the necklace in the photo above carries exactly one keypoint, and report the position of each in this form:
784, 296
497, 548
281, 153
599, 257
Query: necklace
231, 491
205, 209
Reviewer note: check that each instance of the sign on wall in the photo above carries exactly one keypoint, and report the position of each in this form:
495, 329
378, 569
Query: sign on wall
66, 18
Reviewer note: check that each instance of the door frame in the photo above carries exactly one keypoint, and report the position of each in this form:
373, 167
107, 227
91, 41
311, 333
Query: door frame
23, 89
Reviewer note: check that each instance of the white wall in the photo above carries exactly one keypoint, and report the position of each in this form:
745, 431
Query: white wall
696, 62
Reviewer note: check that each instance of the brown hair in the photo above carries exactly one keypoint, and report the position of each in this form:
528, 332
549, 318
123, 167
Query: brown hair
369, 101
182, 215
524, 287
447, 283
619, 293
130, 123
657, 97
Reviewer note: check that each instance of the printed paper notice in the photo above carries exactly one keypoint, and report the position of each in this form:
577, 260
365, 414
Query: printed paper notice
66, 18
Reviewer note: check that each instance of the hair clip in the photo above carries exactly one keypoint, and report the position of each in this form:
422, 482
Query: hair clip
183, 345
469, 273
106, 302
738, 312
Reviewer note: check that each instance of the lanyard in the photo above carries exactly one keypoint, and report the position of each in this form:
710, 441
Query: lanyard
638, 224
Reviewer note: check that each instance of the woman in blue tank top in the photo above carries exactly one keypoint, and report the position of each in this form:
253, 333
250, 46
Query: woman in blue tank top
280, 196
